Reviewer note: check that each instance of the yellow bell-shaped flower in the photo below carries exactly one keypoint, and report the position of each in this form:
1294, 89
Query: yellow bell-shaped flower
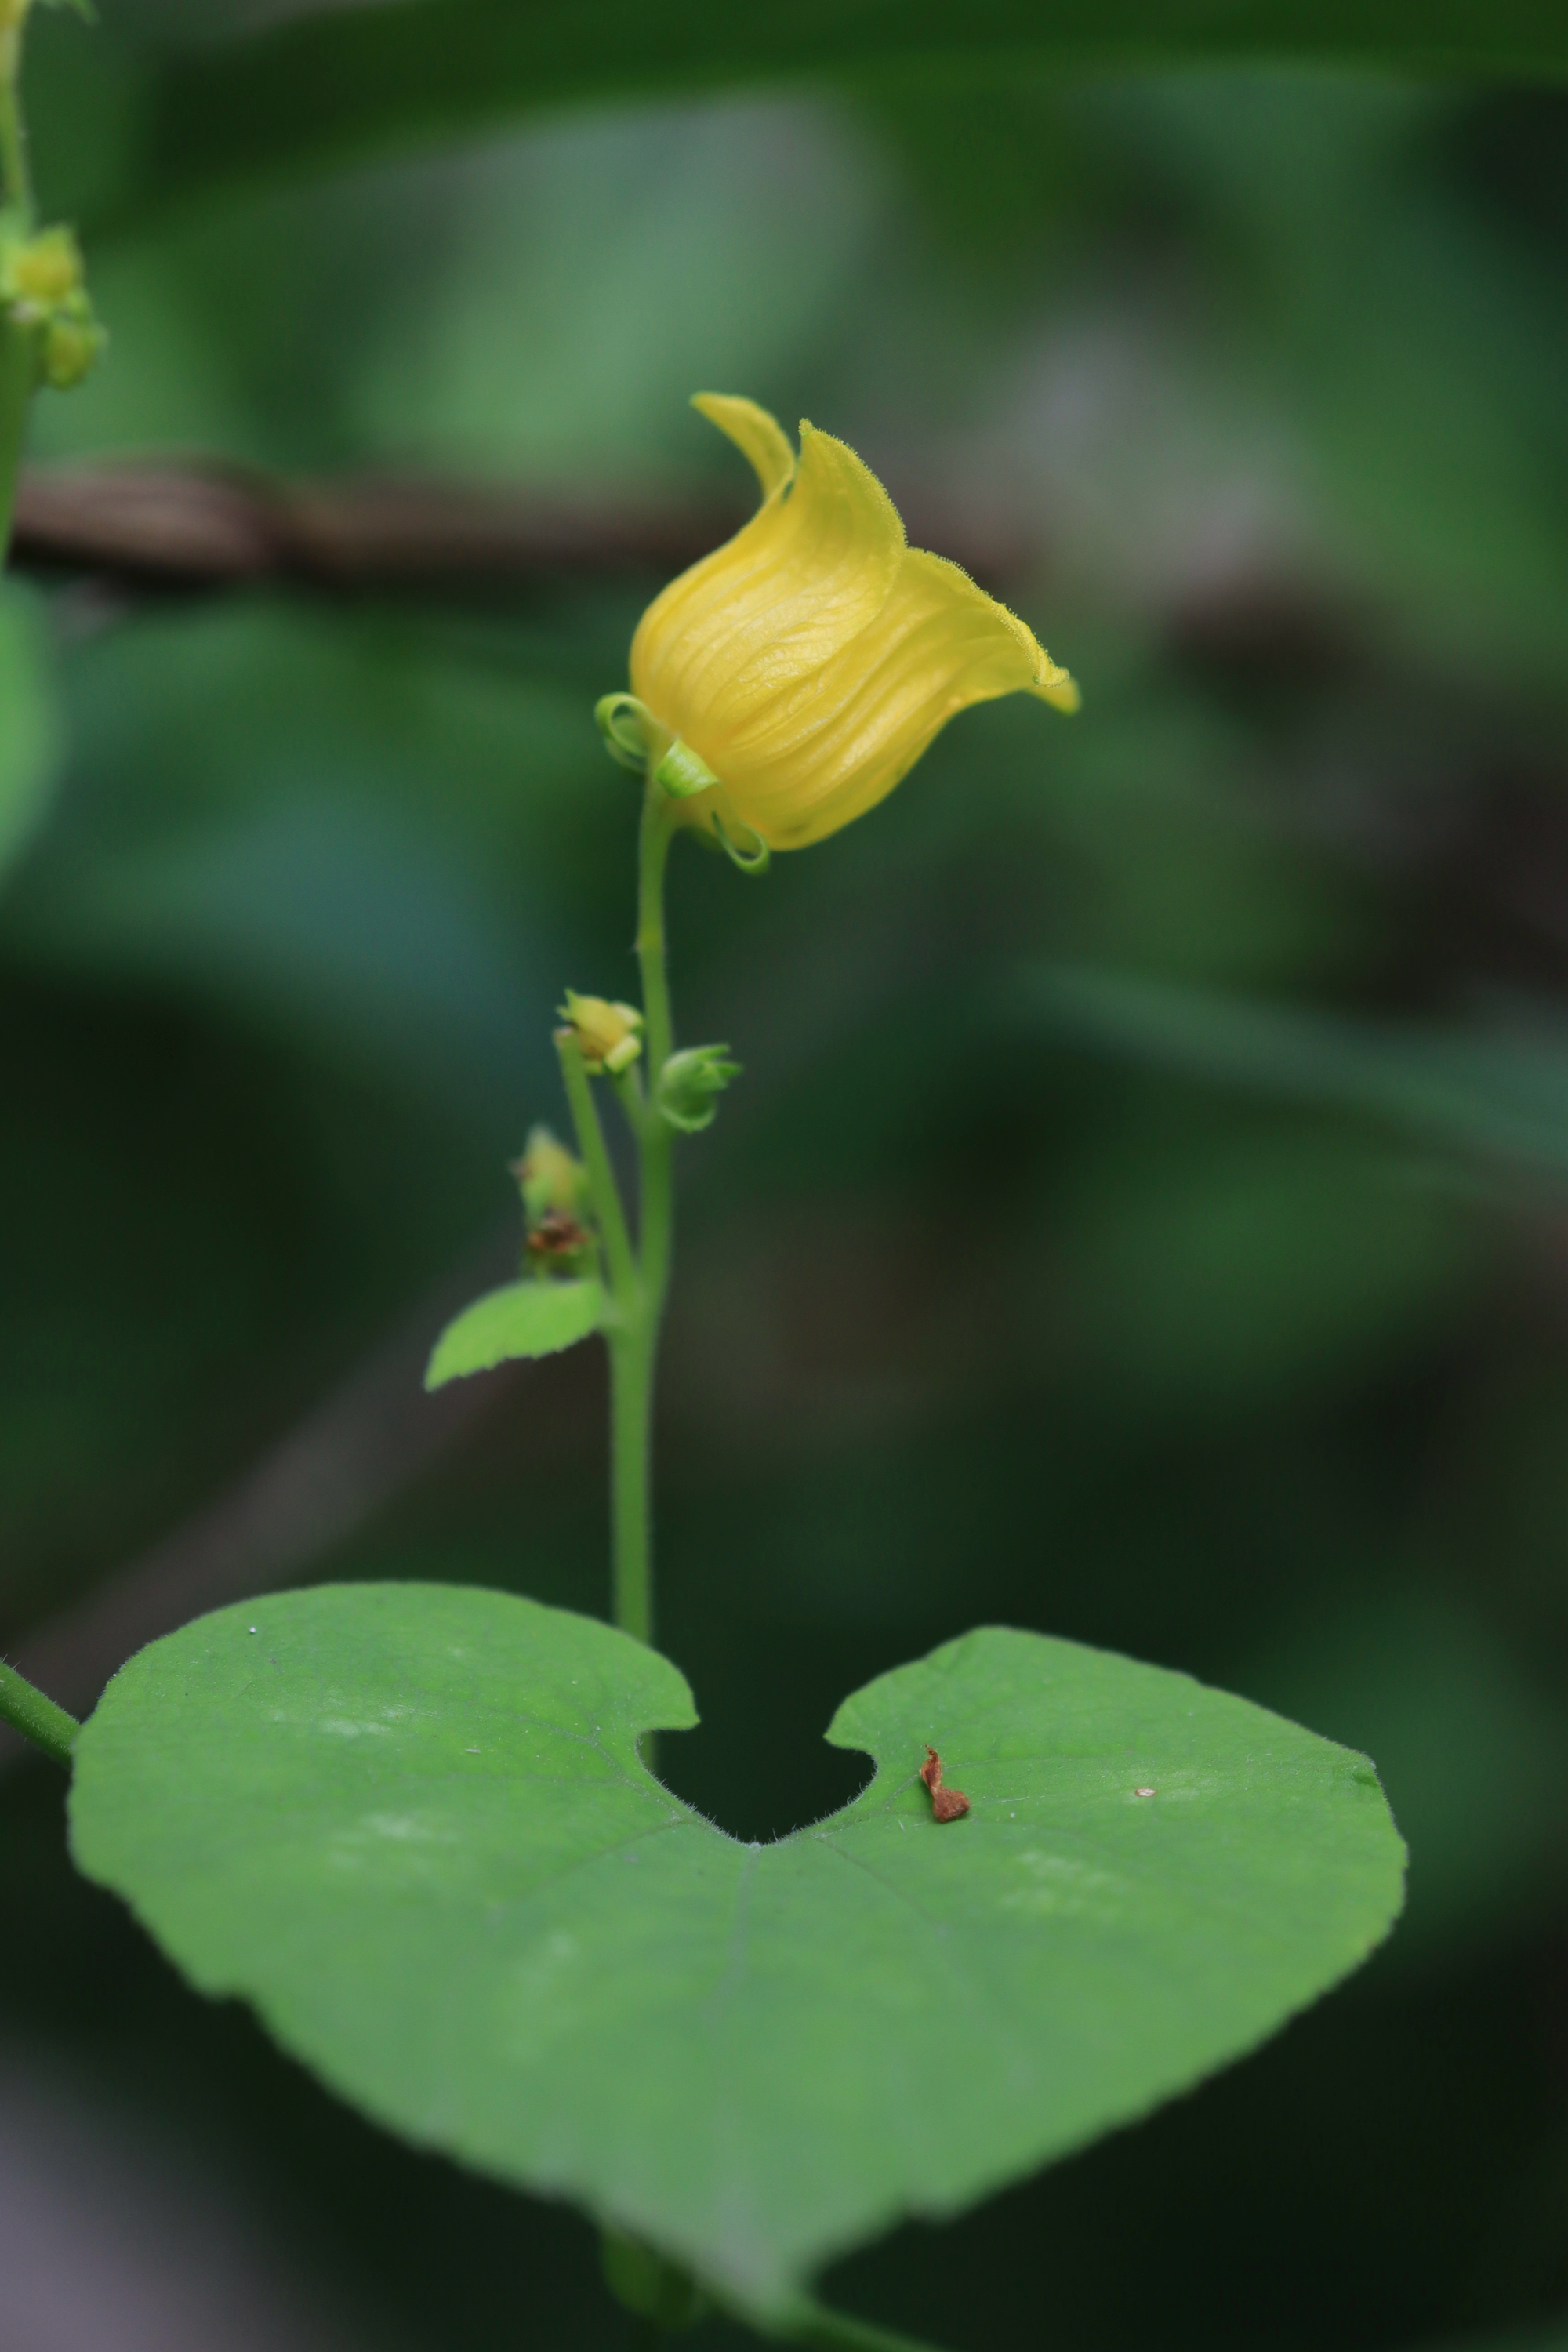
810, 661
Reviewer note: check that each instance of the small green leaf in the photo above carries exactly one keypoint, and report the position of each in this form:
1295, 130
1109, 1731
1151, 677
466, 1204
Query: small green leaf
410, 1823
525, 1319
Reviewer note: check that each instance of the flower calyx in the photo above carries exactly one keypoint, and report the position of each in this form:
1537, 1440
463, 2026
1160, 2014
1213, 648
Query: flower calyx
688, 1084
608, 1036
683, 774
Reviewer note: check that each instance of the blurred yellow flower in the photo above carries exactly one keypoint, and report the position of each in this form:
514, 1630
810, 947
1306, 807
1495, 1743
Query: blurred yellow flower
798, 672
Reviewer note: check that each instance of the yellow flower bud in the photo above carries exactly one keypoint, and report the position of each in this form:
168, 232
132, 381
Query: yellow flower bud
608, 1036
553, 1181
811, 660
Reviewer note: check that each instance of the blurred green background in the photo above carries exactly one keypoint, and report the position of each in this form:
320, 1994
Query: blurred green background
1143, 1216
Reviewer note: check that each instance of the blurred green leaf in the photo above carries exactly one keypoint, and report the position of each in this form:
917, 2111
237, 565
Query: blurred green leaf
1213, 1273
410, 1822
524, 1319
1497, 1091
341, 85
338, 921
1471, 1746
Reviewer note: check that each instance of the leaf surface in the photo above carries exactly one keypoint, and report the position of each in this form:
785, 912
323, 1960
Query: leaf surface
410, 1823
342, 83
1499, 1090
521, 1319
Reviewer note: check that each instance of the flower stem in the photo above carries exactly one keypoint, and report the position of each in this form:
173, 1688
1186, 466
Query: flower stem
16, 180
656, 1141
38, 1718
604, 1191
634, 1341
17, 373
18, 359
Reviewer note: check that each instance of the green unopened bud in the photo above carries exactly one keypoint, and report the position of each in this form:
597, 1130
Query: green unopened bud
44, 272
629, 730
682, 772
71, 349
608, 1036
550, 1179
688, 1083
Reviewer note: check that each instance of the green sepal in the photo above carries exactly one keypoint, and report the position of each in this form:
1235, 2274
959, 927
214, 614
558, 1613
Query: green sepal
748, 861
688, 1084
629, 728
683, 774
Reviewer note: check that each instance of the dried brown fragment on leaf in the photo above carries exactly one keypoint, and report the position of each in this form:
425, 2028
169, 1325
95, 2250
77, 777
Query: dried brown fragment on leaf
556, 1235
946, 1804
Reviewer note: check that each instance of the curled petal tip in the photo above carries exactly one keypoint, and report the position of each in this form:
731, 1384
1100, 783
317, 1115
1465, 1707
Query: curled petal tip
760, 438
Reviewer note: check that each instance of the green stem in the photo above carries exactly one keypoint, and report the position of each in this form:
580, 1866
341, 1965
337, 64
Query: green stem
631, 1473
18, 373
16, 180
629, 1094
38, 1718
634, 1343
19, 369
653, 852
655, 1215
632, 1335
603, 1189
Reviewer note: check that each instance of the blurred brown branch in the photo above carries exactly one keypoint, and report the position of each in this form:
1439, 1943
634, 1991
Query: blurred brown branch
201, 525
204, 525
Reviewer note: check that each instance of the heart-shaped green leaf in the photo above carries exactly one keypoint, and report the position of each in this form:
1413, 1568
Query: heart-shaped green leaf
409, 1822
523, 1318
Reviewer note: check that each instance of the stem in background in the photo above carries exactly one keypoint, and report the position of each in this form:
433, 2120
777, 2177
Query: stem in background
17, 375
38, 1718
16, 180
17, 367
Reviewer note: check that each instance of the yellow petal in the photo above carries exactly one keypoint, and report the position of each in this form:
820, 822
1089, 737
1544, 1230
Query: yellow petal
802, 581
760, 437
826, 748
